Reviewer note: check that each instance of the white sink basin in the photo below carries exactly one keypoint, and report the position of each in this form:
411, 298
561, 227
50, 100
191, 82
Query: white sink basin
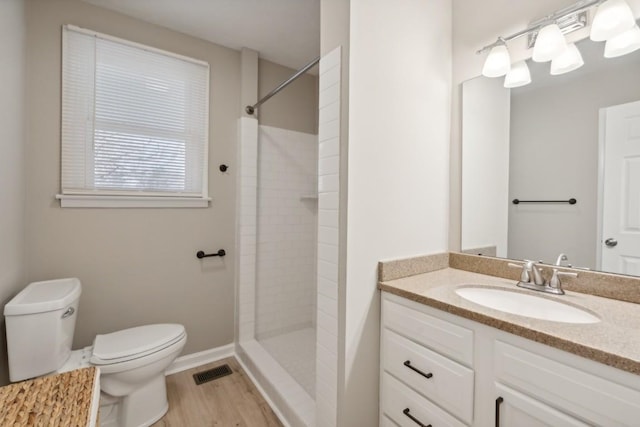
527, 305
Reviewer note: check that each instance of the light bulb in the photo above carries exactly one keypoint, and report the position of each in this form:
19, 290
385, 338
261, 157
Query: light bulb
549, 43
498, 62
622, 44
613, 17
519, 75
569, 60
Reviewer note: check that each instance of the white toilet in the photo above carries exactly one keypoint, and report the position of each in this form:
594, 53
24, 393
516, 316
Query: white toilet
40, 323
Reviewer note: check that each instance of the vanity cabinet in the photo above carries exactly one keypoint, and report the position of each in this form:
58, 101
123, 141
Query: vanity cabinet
464, 373
426, 369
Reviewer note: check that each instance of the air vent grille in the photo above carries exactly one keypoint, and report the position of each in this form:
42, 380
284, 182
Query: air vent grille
212, 374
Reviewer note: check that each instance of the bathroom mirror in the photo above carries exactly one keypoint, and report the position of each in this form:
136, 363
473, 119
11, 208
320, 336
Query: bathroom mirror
544, 144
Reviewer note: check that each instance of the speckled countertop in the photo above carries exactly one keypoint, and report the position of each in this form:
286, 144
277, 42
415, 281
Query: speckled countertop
614, 341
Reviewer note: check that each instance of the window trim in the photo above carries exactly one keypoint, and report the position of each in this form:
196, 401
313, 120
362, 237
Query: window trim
125, 199
118, 201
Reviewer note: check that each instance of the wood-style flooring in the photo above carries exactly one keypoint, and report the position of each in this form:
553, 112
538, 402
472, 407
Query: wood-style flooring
225, 402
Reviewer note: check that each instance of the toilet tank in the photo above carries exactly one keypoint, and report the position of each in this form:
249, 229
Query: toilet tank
40, 323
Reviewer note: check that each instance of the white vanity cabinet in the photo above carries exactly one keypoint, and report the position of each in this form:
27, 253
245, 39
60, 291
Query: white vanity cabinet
481, 376
426, 369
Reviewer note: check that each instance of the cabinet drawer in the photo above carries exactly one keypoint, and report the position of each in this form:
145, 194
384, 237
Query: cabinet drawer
446, 338
581, 394
450, 384
518, 409
397, 399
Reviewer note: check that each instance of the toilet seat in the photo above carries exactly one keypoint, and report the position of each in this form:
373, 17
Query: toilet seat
134, 343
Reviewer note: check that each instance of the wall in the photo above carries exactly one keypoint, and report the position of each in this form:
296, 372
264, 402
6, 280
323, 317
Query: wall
12, 189
559, 160
286, 233
398, 167
477, 24
137, 266
303, 92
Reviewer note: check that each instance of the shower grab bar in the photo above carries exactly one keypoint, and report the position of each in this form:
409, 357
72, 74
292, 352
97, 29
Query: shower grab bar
220, 253
250, 109
571, 201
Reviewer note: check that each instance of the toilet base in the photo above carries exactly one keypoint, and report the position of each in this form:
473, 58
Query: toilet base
142, 408
146, 405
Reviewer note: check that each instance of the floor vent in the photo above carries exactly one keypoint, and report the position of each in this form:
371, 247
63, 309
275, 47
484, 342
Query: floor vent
212, 374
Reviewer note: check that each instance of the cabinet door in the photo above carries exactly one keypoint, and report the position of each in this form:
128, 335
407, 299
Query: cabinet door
518, 410
575, 391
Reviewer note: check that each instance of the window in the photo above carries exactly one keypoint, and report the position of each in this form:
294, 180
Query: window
134, 124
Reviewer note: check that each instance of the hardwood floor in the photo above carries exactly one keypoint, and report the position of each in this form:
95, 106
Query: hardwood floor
226, 402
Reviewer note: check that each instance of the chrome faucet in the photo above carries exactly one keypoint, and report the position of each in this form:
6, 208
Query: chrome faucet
561, 257
531, 278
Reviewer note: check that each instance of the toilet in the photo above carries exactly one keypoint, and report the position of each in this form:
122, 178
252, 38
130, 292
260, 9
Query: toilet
40, 323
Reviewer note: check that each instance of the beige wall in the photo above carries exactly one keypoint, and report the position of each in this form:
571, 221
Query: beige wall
137, 266
303, 92
12, 29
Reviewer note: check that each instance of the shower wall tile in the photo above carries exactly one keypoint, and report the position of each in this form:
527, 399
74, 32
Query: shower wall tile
328, 239
286, 231
330, 112
330, 130
329, 96
246, 226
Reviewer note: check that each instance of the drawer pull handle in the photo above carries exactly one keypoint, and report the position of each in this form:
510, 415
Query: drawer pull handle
499, 400
407, 363
414, 419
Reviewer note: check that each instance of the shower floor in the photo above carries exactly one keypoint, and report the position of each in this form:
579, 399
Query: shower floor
296, 353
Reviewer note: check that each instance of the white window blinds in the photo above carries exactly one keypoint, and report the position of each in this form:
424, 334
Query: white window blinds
134, 119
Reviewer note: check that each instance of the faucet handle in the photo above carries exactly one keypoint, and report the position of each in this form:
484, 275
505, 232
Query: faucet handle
536, 273
555, 283
524, 276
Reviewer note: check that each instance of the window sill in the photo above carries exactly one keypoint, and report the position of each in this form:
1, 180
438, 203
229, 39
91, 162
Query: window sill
90, 201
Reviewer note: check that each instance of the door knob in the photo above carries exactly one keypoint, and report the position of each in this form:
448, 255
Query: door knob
611, 242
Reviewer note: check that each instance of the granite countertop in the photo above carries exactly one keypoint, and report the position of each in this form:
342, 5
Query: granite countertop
614, 341
67, 399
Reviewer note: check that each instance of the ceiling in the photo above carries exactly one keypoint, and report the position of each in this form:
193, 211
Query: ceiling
286, 32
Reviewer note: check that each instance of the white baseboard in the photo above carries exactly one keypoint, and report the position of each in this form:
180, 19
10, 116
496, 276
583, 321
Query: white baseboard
194, 360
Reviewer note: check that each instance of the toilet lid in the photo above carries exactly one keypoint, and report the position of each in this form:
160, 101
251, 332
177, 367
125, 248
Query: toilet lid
134, 342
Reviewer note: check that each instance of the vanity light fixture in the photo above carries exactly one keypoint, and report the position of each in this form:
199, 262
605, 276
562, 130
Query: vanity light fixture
613, 21
550, 43
569, 60
613, 17
498, 63
627, 42
519, 75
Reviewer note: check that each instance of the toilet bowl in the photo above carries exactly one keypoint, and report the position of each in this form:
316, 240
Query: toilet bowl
40, 323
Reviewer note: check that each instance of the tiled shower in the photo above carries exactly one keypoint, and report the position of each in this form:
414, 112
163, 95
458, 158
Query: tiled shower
277, 234
287, 263
287, 215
